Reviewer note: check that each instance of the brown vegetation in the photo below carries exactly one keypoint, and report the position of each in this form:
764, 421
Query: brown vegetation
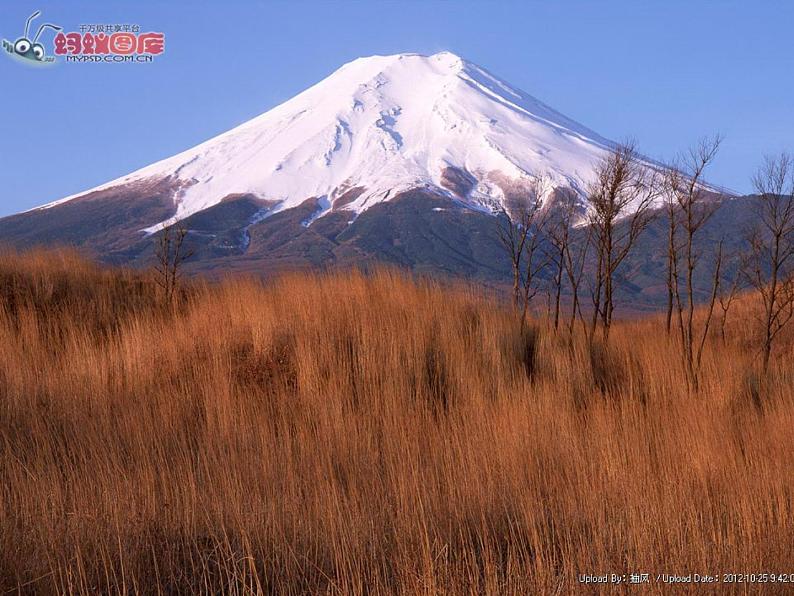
345, 434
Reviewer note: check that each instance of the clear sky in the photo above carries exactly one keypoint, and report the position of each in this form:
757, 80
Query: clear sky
665, 72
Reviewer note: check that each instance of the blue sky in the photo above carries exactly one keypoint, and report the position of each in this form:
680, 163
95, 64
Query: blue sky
664, 72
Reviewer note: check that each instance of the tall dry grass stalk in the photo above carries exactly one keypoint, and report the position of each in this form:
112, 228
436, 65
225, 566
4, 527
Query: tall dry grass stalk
344, 434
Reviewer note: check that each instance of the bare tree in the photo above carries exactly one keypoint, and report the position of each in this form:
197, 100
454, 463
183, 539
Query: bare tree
770, 263
693, 208
170, 254
535, 263
560, 253
575, 258
513, 236
520, 231
620, 201
726, 297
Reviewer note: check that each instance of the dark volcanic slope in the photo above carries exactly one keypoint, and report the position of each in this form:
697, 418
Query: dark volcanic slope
417, 230
106, 224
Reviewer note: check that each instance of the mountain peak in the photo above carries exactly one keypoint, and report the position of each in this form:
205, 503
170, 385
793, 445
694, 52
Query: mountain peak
443, 57
380, 125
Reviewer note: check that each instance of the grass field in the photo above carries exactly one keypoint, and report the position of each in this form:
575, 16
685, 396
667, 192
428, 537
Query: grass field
343, 434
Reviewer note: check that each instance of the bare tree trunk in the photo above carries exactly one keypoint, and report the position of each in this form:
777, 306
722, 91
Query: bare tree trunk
709, 313
770, 264
557, 292
533, 266
607, 306
575, 259
599, 281
726, 300
672, 256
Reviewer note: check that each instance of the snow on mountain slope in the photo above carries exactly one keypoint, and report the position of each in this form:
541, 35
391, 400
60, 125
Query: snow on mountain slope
380, 125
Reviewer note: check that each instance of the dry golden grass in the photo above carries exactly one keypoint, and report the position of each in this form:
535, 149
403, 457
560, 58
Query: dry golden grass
344, 434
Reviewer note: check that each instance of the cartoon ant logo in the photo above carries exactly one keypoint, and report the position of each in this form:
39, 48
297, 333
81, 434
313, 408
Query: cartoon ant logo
31, 50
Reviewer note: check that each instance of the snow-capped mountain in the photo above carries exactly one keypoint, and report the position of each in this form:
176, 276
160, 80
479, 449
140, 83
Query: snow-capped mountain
376, 127
399, 159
